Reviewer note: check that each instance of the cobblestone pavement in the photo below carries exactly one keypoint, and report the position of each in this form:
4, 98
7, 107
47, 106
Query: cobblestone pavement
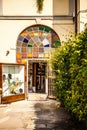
35, 115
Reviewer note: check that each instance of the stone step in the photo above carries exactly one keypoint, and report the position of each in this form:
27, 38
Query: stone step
37, 97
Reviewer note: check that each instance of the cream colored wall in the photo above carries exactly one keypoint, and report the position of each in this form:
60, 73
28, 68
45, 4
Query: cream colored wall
28, 7
64, 28
25, 7
83, 15
11, 29
60, 7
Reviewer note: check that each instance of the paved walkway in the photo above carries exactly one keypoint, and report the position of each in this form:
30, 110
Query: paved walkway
35, 115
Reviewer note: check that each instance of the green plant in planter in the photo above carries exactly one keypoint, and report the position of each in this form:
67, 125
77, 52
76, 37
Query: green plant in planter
40, 5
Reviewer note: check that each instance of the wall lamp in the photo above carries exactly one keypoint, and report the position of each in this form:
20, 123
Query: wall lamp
7, 52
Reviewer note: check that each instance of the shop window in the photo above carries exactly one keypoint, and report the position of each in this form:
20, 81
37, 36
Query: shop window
12, 80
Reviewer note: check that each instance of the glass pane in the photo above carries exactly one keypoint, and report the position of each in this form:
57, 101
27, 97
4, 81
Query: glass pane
35, 55
25, 40
36, 41
41, 49
24, 55
23, 49
47, 29
20, 38
29, 55
31, 34
18, 49
18, 55
45, 42
29, 50
41, 55
19, 44
24, 34
35, 48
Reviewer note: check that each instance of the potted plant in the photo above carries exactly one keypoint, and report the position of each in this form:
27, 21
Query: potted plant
40, 5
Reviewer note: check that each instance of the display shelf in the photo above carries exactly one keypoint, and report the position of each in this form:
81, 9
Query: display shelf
12, 81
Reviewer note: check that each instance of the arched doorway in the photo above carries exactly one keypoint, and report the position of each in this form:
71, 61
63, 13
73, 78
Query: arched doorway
34, 45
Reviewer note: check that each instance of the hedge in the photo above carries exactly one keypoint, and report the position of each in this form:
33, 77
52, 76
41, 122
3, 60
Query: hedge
70, 65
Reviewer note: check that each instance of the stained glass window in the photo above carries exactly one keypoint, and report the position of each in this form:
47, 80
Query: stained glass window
35, 42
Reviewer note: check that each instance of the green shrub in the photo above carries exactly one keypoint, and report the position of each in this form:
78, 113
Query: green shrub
70, 64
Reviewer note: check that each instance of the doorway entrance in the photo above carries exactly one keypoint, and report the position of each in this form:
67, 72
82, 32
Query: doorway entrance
36, 76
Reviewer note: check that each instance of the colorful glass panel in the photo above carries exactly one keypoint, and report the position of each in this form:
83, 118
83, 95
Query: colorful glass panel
35, 42
18, 50
24, 34
18, 55
40, 33
35, 55
35, 48
29, 49
46, 55
23, 49
29, 55
25, 40
31, 41
41, 38
41, 28
24, 44
57, 43
41, 55
28, 37
41, 48
20, 38
23, 61
24, 55
19, 61
45, 42
48, 36
31, 34
19, 44
29, 45
47, 29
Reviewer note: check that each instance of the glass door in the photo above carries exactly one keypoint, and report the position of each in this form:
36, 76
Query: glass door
39, 71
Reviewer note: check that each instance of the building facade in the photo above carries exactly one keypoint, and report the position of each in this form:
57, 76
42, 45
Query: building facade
29, 37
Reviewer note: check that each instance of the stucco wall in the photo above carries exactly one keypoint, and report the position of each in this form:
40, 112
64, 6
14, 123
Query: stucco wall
83, 14
29, 7
10, 29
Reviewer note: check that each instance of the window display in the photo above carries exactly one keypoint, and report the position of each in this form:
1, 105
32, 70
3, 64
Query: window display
12, 80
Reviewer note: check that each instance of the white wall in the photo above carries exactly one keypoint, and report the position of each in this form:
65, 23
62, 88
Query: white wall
83, 14
29, 7
25, 7
10, 29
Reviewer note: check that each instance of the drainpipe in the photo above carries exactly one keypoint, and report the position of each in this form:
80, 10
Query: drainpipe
76, 16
